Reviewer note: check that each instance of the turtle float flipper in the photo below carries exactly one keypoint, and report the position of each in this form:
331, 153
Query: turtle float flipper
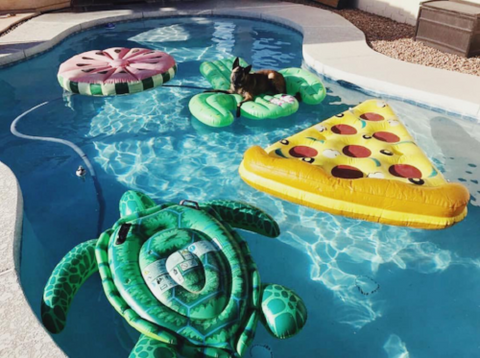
284, 313
247, 336
244, 216
74, 269
151, 348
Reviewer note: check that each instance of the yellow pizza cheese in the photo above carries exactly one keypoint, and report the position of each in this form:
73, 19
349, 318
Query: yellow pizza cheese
361, 163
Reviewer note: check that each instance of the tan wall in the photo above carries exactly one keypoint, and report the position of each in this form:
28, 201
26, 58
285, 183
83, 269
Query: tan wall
399, 10
32, 5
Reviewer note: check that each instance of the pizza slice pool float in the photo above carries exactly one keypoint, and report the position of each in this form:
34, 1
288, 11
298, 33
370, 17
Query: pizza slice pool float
363, 164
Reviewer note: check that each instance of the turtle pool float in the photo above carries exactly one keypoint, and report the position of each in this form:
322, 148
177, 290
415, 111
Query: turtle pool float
181, 276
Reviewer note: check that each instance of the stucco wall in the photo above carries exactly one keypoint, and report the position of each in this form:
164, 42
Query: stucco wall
399, 10
32, 5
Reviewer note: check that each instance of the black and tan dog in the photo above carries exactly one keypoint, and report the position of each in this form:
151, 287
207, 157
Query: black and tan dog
249, 85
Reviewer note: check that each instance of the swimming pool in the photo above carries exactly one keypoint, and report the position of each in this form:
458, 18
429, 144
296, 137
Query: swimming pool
423, 284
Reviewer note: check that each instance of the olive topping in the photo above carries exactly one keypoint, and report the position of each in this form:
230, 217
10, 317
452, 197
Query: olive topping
416, 181
308, 160
386, 152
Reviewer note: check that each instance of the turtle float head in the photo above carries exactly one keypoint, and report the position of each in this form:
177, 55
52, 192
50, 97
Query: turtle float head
134, 202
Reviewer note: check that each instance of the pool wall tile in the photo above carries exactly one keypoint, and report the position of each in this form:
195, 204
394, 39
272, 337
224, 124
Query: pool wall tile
242, 13
104, 20
11, 53
171, 12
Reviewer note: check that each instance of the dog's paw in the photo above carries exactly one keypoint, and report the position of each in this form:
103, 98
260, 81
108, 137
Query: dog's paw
238, 111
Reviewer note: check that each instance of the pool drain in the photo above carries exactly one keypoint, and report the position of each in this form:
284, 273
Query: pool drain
366, 285
261, 351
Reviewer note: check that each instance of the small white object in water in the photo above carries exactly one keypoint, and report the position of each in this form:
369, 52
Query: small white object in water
81, 172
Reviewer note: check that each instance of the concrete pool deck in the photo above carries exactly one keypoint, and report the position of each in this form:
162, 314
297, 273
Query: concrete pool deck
332, 46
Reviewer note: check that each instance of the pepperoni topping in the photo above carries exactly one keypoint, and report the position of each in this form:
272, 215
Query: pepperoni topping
356, 151
405, 171
301, 151
373, 117
344, 129
346, 172
387, 137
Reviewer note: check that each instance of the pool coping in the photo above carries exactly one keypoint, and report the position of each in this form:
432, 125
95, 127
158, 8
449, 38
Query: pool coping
21, 334
332, 46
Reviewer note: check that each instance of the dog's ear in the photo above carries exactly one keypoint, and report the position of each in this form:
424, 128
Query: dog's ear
236, 63
248, 69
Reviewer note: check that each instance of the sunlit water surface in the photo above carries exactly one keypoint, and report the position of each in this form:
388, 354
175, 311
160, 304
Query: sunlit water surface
371, 290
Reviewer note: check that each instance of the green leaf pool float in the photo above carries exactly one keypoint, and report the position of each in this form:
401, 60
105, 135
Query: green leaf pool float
215, 109
181, 276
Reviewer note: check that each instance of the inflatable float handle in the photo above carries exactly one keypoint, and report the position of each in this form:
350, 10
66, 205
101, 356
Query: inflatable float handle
190, 203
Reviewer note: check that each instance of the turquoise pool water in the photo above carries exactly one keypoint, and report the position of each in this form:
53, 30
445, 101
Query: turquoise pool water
424, 285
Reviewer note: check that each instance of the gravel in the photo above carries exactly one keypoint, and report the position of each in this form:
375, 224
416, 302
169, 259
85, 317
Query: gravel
395, 40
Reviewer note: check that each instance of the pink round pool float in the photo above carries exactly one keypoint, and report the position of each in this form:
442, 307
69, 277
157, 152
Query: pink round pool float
116, 71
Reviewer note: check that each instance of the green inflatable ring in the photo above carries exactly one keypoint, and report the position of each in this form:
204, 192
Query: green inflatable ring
215, 109
181, 276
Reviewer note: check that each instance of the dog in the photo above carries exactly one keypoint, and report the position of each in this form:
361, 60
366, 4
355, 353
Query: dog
249, 85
